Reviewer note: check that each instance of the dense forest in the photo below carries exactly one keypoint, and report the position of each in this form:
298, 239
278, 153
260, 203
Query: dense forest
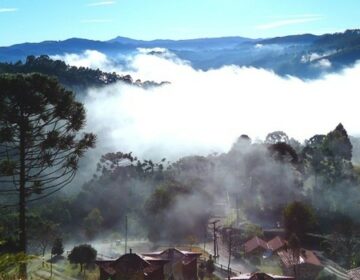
172, 201
72, 77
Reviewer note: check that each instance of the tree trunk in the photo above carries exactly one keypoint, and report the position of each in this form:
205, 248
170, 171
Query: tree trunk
22, 202
43, 256
51, 260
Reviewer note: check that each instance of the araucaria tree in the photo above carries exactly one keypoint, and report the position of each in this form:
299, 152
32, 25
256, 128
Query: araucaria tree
40, 144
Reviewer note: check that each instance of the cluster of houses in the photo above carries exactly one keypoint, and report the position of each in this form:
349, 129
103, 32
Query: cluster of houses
168, 264
302, 265
175, 264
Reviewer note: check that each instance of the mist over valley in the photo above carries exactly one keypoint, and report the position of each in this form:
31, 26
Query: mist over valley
207, 158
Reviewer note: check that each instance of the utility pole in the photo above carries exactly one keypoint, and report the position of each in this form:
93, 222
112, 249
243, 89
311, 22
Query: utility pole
216, 250
126, 232
237, 205
205, 236
230, 233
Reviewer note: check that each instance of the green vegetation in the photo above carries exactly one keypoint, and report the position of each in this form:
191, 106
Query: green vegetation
57, 248
39, 140
72, 77
298, 219
82, 255
271, 267
279, 181
76, 78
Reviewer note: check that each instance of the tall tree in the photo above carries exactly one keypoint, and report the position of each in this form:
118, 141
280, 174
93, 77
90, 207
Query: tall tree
43, 232
40, 145
337, 144
277, 137
82, 254
92, 223
298, 219
57, 248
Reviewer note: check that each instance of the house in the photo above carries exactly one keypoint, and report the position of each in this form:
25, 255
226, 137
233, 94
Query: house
131, 266
180, 265
303, 266
261, 276
255, 246
168, 264
276, 244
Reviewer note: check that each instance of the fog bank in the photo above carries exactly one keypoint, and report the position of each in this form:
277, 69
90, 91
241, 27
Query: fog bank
205, 111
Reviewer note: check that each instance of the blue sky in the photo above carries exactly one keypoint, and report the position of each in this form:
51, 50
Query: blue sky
39, 20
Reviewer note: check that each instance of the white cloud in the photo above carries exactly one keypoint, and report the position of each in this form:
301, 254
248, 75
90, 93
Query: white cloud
101, 3
289, 21
310, 57
318, 60
8, 10
323, 63
90, 59
205, 111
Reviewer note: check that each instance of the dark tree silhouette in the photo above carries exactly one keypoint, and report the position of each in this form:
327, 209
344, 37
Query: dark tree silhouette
283, 152
82, 254
298, 219
39, 141
210, 266
337, 144
57, 248
276, 137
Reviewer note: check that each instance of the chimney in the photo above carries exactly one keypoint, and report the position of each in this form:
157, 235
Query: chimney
130, 251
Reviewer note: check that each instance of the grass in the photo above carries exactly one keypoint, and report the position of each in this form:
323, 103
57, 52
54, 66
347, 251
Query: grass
270, 266
61, 270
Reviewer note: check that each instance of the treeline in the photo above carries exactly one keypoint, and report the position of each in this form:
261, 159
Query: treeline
72, 77
172, 201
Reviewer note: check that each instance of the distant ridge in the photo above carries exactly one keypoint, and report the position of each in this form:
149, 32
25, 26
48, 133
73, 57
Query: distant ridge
305, 55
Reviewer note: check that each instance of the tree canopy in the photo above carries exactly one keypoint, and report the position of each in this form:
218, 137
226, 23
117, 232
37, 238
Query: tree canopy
40, 144
82, 254
298, 219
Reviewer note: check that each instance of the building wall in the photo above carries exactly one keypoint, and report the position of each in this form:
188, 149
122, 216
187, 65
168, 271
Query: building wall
190, 271
130, 276
156, 275
104, 275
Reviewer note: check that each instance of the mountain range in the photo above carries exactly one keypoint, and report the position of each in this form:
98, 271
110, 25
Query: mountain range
306, 56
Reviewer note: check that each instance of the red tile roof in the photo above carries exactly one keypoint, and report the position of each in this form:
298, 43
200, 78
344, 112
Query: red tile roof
276, 243
170, 254
149, 262
261, 276
306, 256
354, 273
255, 243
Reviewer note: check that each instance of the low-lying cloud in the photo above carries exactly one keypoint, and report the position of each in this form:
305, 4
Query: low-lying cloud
205, 111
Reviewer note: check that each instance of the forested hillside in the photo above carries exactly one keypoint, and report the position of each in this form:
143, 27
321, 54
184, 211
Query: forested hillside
75, 78
172, 201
